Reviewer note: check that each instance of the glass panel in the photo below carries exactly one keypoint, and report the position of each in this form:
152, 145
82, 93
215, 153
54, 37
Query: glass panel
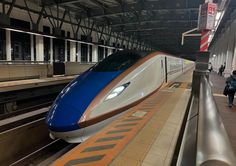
20, 43
90, 53
2, 44
84, 48
100, 53
106, 52
68, 51
46, 44
58, 50
84, 52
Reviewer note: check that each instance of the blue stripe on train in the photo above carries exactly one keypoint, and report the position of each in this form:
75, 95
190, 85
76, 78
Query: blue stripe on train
75, 98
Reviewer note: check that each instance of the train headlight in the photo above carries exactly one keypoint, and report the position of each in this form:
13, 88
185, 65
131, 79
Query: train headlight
117, 91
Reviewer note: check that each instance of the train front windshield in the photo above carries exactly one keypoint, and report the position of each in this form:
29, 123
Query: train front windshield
118, 61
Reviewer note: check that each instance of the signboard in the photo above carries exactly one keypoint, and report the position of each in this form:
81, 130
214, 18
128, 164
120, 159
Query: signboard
206, 17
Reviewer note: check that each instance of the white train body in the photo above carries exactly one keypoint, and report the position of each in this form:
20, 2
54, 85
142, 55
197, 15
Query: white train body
128, 88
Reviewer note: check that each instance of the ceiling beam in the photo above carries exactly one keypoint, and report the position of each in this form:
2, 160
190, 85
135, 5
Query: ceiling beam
63, 2
152, 21
160, 26
127, 7
117, 11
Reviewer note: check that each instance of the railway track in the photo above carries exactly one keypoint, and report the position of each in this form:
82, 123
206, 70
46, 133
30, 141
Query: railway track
24, 139
19, 121
45, 155
25, 110
24, 136
16, 102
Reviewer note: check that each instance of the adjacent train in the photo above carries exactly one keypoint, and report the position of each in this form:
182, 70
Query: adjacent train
107, 90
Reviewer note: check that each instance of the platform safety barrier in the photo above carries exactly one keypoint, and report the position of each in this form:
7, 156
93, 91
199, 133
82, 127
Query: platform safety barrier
205, 141
23, 62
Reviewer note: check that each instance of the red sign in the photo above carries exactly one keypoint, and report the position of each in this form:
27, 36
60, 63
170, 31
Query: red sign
211, 8
207, 13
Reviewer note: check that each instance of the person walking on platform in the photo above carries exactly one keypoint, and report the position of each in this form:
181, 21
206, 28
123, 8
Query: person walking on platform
224, 67
210, 67
221, 69
231, 86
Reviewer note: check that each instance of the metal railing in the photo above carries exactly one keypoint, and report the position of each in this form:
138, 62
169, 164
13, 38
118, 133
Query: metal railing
205, 141
23, 62
40, 62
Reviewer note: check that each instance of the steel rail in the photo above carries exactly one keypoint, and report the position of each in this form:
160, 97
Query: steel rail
213, 144
205, 141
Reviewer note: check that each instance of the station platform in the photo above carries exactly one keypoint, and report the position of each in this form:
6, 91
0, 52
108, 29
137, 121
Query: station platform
145, 135
227, 114
7, 86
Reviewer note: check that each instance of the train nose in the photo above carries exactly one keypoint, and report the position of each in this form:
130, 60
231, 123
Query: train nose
73, 101
63, 117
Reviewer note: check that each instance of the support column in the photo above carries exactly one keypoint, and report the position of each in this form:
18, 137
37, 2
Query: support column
72, 51
234, 58
218, 56
234, 47
95, 53
32, 47
39, 48
88, 59
78, 54
8, 45
109, 51
104, 53
218, 61
51, 47
228, 67
51, 50
39, 45
224, 49
66, 50
229, 53
200, 70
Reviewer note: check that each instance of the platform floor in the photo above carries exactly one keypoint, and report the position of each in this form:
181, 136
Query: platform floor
228, 115
33, 83
145, 135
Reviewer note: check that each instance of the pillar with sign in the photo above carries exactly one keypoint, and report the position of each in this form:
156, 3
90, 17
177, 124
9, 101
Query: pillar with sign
206, 22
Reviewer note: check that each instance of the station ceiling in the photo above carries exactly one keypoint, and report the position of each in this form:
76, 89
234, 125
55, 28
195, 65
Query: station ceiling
159, 23
229, 16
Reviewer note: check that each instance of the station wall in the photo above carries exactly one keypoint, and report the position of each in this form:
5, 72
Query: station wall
223, 51
20, 46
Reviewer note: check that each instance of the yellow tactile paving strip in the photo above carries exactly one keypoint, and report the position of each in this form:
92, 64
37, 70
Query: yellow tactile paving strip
128, 140
137, 117
160, 128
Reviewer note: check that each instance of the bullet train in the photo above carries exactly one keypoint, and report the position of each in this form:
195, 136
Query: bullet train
108, 89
